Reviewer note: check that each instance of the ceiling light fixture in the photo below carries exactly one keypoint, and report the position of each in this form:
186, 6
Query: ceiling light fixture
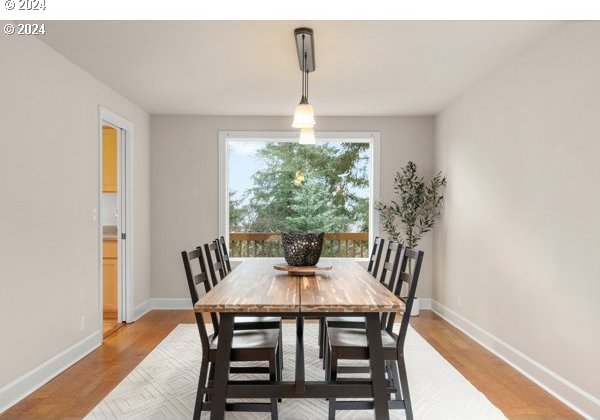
307, 136
303, 114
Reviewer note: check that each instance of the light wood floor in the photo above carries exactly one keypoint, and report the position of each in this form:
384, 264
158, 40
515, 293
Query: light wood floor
109, 326
74, 393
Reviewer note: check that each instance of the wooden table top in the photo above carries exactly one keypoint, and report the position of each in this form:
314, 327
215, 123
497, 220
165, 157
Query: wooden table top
255, 286
348, 288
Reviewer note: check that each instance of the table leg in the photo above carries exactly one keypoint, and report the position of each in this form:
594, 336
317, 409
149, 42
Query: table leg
300, 355
377, 366
222, 366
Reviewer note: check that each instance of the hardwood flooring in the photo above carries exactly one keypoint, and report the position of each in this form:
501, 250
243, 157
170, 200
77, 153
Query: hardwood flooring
109, 326
74, 393
514, 394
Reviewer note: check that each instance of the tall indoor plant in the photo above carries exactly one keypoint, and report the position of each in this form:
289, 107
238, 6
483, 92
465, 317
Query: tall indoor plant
415, 211
417, 207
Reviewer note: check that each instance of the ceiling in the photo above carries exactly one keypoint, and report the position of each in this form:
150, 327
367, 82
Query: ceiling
251, 67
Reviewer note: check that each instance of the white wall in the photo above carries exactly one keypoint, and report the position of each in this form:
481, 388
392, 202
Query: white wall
48, 188
108, 203
518, 249
185, 180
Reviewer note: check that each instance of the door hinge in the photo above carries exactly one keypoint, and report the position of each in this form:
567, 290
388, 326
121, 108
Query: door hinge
123, 235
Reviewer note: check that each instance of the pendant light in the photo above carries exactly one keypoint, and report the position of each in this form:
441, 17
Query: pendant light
307, 136
303, 114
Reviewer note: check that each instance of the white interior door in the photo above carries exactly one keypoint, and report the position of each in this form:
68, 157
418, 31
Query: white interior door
123, 214
122, 222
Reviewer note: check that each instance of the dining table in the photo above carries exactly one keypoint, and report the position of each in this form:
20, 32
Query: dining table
255, 288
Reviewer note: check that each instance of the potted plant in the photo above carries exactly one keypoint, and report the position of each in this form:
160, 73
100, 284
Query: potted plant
415, 211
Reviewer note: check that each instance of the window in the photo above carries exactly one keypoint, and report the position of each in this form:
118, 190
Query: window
269, 183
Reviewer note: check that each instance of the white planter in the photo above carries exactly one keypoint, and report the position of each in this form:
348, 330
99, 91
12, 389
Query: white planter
415, 308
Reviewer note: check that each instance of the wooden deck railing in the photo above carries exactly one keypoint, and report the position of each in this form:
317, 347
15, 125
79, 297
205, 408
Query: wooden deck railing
266, 244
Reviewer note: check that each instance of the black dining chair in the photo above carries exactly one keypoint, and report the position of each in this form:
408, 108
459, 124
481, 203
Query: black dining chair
247, 346
388, 276
372, 268
218, 271
351, 344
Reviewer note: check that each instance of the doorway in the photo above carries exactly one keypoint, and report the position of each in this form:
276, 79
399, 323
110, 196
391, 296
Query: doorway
110, 214
115, 221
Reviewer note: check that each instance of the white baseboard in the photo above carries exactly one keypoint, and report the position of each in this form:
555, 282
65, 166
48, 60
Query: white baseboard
161, 303
15, 391
142, 309
171, 303
573, 396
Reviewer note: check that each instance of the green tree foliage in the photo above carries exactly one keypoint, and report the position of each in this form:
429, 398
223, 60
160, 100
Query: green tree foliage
313, 209
278, 201
418, 206
238, 213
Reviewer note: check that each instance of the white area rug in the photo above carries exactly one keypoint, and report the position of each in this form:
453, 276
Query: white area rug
163, 385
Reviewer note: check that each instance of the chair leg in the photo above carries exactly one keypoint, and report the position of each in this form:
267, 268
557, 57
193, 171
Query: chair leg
211, 379
392, 368
201, 387
332, 377
273, 367
278, 376
325, 344
321, 339
279, 373
327, 360
404, 385
280, 350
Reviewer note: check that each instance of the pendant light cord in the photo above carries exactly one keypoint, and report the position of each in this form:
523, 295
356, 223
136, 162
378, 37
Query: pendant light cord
304, 81
306, 71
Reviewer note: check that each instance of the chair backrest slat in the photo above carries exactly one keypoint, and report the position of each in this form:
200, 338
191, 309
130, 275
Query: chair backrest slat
410, 269
193, 281
201, 278
375, 257
220, 257
389, 271
390, 265
213, 261
224, 253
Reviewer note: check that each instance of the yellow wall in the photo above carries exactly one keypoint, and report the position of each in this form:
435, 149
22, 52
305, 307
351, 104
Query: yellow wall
109, 159
110, 277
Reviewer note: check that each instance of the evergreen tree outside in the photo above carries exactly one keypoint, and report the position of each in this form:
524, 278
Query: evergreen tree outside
312, 208
305, 188
238, 213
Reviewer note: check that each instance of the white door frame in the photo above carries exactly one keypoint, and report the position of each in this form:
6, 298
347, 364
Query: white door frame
125, 191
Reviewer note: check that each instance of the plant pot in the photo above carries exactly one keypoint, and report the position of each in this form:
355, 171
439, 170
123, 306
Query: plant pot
414, 311
302, 249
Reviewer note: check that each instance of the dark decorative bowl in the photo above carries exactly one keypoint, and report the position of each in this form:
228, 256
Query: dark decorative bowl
302, 249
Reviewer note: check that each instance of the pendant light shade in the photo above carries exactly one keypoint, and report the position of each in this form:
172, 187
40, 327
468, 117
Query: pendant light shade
303, 116
307, 136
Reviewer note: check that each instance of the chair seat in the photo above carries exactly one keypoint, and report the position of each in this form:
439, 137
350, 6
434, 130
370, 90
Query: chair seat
344, 340
250, 339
